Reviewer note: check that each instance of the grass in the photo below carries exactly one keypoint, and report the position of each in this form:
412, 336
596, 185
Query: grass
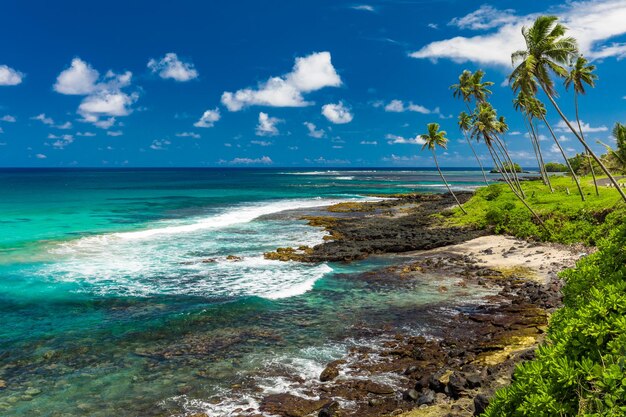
569, 219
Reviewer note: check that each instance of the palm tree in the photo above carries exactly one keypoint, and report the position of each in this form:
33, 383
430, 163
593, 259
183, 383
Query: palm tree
521, 103
547, 50
539, 111
486, 126
465, 89
435, 138
579, 75
465, 123
619, 133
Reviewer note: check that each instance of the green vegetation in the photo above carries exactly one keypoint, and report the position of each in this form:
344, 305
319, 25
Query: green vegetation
568, 219
508, 167
555, 167
580, 369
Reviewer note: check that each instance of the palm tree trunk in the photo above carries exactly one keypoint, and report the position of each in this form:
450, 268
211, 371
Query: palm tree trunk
532, 142
582, 140
580, 129
571, 170
469, 142
446, 183
511, 165
513, 189
537, 140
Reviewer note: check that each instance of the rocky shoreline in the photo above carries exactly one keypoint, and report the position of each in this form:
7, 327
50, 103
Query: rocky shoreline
455, 369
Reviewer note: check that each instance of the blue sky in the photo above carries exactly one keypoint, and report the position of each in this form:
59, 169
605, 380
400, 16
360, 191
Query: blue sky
281, 83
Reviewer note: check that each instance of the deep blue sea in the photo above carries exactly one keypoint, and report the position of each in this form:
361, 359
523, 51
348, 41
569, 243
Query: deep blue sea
117, 297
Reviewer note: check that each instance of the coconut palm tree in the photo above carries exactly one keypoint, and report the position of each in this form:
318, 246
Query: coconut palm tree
547, 50
465, 123
432, 140
580, 74
486, 126
539, 111
521, 103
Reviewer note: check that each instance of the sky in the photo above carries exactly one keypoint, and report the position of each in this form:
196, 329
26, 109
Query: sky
278, 83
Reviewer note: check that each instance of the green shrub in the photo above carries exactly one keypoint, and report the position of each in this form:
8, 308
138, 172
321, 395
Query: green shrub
556, 167
581, 368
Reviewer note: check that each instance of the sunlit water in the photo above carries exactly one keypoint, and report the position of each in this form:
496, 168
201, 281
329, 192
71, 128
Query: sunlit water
118, 297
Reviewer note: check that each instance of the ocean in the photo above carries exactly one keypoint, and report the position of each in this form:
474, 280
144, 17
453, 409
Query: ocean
118, 297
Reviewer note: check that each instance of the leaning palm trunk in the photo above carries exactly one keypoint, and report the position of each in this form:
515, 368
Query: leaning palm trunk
446, 183
571, 170
496, 158
582, 140
532, 142
482, 169
541, 155
580, 129
510, 164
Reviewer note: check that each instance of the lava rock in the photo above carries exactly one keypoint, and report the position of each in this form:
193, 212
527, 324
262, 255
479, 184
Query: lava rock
480, 404
410, 395
330, 410
427, 397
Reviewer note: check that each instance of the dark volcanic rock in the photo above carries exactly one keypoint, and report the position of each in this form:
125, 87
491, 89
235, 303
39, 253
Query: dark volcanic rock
427, 397
480, 404
331, 371
291, 406
330, 410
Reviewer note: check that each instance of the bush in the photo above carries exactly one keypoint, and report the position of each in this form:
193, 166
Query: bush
580, 369
556, 167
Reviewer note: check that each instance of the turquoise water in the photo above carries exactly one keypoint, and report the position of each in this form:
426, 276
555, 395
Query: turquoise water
117, 297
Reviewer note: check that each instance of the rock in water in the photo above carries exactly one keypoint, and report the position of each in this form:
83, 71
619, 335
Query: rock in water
330, 410
331, 371
288, 405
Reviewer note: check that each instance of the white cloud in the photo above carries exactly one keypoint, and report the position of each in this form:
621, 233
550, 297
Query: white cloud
337, 113
208, 118
61, 141
9, 76
561, 126
115, 133
85, 134
261, 142
64, 126
8, 118
159, 145
369, 142
433, 26
267, 125
188, 135
398, 106
364, 7
514, 133
486, 17
314, 132
103, 95
43, 119
40, 156
266, 160
79, 79
395, 158
591, 22
1, 130
309, 73
171, 67
395, 139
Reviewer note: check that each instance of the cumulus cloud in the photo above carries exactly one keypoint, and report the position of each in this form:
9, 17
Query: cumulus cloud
61, 141
104, 95
208, 118
337, 113
265, 160
395, 139
171, 67
309, 73
8, 118
592, 22
64, 126
561, 126
9, 76
398, 106
188, 135
40, 156
261, 142
159, 144
314, 132
369, 142
43, 119
267, 125
79, 79
85, 134
115, 133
